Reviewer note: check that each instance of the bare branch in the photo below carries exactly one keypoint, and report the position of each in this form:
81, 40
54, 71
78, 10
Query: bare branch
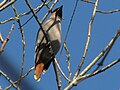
1, 38
102, 70
62, 71
68, 60
0, 88
107, 52
4, 42
7, 5
88, 1
23, 43
54, 3
101, 54
9, 80
57, 75
68, 29
81, 78
109, 12
31, 69
3, 2
76, 80
23, 14
88, 39
45, 3
10, 19
103, 59
38, 21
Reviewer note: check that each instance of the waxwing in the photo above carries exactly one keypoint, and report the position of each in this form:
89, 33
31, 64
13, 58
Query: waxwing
43, 57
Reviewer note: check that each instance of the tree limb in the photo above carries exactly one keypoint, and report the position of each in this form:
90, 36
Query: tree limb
4, 42
88, 39
7, 5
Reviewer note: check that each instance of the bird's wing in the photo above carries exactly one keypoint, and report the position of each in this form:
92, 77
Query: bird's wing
40, 43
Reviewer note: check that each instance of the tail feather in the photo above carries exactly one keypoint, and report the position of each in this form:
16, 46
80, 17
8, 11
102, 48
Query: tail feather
38, 71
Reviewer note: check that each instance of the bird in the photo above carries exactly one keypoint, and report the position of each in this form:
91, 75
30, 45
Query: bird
43, 57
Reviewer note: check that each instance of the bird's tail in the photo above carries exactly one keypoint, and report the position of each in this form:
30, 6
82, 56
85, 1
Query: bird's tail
38, 71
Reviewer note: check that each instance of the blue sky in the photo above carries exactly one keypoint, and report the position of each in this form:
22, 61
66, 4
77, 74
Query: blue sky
103, 29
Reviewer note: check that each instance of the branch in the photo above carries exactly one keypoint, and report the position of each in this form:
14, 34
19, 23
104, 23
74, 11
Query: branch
54, 3
23, 43
1, 38
1, 88
88, 1
38, 21
103, 59
81, 78
62, 71
9, 80
108, 12
3, 2
101, 54
102, 70
7, 5
68, 60
31, 69
57, 75
4, 42
88, 39
45, 3
23, 14
68, 29
107, 52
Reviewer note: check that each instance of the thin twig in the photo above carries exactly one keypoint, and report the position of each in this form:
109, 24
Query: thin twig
3, 2
1, 88
4, 42
10, 19
81, 78
88, 1
68, 60
101, 54
57, 75
68, 29
107, 52
54, 3
23, 43
88, 39
23, 14
108, 12
44, 4
62, 71
1, 38
7, 5
100, 71
103, 59
31, 69
38, 21
9, 80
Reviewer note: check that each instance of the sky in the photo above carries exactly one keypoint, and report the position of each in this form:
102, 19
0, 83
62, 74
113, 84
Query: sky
103, 29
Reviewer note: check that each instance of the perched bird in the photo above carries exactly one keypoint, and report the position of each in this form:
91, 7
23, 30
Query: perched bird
43, 57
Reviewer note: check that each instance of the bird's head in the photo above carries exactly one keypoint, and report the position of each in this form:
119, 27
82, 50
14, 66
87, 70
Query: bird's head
57, 13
